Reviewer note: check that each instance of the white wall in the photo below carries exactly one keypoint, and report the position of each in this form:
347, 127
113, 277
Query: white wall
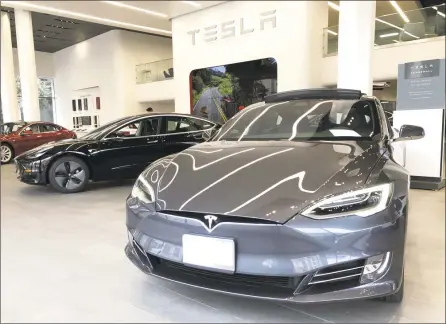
106, 61
135, 49
296, 42
44, 64
88, 64
386, 58
155, 91
165, 106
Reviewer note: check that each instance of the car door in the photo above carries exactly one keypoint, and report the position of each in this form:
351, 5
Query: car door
60, 132
181, 132
29, 137
49, 133
126, 151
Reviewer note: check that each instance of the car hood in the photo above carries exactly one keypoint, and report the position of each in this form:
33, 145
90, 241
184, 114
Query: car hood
260, 179
58, 146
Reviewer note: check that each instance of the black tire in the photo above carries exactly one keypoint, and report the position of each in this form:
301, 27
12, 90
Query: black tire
69, 174
398, 296
5, 147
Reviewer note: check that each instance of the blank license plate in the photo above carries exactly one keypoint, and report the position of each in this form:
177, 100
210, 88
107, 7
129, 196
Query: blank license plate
209, 252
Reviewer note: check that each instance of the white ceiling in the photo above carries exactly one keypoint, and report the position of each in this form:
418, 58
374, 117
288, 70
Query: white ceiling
105, 13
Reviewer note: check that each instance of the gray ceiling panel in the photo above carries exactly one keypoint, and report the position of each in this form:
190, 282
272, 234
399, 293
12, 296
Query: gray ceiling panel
54, 33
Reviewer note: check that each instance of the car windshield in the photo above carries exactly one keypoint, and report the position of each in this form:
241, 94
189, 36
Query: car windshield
304, 120
97, 133
8, 128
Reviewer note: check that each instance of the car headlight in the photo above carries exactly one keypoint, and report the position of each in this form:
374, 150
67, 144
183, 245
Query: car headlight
143, 190
363, 202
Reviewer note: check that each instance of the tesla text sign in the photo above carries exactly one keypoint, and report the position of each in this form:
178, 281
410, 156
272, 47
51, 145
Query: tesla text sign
421, 85
233, 28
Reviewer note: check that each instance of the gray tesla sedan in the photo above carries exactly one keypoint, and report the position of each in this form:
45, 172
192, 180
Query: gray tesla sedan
297, 198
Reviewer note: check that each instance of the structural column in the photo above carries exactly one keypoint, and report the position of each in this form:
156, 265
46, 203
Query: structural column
27, 65
355, 45
10, 107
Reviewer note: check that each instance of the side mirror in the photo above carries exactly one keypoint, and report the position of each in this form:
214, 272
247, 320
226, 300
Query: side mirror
410, 132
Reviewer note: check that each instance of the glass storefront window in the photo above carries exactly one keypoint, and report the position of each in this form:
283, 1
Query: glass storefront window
46, 98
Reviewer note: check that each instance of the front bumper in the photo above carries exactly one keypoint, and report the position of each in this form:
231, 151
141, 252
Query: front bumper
278, 262
29, 171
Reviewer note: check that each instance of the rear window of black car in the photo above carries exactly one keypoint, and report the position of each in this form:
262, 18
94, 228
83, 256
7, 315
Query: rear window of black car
304, 120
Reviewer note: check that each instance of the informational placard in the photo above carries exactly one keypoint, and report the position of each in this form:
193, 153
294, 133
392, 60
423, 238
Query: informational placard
421, 102
421, 85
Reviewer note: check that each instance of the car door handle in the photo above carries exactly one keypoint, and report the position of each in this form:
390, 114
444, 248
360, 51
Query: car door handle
151, 141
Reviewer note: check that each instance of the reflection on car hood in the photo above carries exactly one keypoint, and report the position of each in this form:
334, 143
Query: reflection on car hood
260, 179
61, 145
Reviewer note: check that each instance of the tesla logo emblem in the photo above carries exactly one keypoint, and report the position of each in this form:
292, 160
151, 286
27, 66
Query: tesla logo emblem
231, 28
211, 219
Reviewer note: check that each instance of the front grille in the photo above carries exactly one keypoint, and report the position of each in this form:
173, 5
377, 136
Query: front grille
268, 286
339, 276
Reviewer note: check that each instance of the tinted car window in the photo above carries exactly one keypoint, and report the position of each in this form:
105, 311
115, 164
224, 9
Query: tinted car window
144, 127
180, 125
304, 120
149, 127
128, 130
104, 129
199, 124
48, 128
35, 129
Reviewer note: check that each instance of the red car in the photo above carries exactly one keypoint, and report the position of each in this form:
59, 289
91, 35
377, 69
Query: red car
18, 137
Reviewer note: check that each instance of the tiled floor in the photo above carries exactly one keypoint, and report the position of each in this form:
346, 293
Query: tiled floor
62, 260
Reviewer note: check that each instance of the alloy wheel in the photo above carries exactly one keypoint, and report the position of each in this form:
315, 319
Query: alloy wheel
6, 153
69, 175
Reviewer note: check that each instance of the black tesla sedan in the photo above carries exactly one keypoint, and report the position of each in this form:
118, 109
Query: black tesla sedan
297, 198
120, 149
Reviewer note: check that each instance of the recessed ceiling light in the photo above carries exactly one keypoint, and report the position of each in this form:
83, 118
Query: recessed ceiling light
401, 12
192, 3
123, 5
61, 12
388, 35
333, 5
